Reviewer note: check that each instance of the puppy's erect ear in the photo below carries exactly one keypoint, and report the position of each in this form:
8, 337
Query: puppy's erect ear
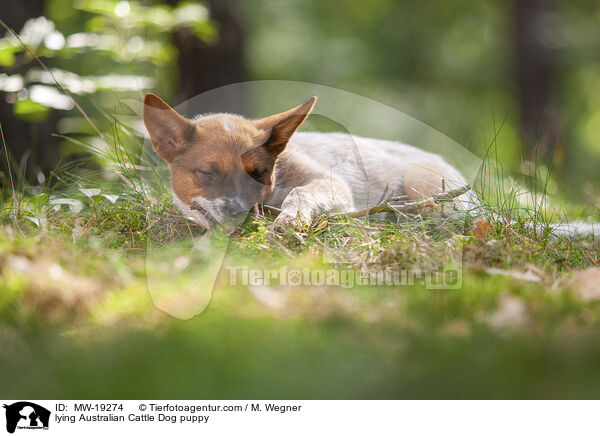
168, 130
282, 126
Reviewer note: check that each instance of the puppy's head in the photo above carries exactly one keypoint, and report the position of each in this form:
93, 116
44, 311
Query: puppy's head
221, 165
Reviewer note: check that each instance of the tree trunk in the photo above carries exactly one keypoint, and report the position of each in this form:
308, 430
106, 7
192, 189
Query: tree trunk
30, 144
202, 66
534, 69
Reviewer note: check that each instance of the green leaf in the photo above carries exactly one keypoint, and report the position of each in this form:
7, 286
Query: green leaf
29, 110
39, 200
75, 205
37, 221
112, 198
91, 192
7, 55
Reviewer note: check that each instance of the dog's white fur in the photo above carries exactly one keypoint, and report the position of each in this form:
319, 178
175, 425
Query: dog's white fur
325, 172
337, 172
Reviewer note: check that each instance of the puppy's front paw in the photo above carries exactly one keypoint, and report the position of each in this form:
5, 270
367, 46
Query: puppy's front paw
298, 209
294, 218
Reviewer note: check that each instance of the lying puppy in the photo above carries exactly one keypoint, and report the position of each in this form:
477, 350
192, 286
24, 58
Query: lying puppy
223, 165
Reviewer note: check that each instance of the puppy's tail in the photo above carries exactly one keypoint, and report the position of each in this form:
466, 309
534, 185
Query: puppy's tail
571, 230
425, 182
576, 229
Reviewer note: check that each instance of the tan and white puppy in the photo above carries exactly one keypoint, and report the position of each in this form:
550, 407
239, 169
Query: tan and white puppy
223, 165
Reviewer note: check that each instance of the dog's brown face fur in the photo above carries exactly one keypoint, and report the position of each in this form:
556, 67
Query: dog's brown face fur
221, 165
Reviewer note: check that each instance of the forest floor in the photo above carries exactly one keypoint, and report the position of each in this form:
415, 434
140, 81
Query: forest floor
81, 279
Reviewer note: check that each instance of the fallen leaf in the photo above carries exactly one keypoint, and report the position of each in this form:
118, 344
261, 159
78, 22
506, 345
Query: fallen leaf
481, 228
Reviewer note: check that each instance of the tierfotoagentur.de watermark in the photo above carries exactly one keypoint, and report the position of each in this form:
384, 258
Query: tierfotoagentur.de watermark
440, 278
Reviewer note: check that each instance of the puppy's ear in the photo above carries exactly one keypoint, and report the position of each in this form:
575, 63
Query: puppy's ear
168, 130
281, 127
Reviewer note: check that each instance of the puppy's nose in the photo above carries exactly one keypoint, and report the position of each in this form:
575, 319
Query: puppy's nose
237, 208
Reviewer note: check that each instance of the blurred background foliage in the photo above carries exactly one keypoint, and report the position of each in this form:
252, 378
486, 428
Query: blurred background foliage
528, 69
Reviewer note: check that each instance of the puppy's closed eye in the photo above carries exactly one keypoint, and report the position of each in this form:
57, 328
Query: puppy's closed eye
204, 174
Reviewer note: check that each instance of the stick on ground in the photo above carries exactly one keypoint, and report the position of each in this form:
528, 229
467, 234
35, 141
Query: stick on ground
409, 207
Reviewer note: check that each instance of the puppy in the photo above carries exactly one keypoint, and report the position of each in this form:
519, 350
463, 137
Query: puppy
223, 165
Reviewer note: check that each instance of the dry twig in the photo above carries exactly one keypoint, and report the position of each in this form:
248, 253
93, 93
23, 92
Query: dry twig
408, 207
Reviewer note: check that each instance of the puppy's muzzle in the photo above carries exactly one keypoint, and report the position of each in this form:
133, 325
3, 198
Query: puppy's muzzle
221, 209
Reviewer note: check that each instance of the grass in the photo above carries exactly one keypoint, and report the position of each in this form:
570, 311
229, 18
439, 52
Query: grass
77, 319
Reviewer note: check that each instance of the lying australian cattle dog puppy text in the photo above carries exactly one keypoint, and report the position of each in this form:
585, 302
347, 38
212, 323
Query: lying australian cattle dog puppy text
224, 165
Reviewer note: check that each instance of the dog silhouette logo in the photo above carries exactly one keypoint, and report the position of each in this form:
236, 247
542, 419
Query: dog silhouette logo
26, 415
